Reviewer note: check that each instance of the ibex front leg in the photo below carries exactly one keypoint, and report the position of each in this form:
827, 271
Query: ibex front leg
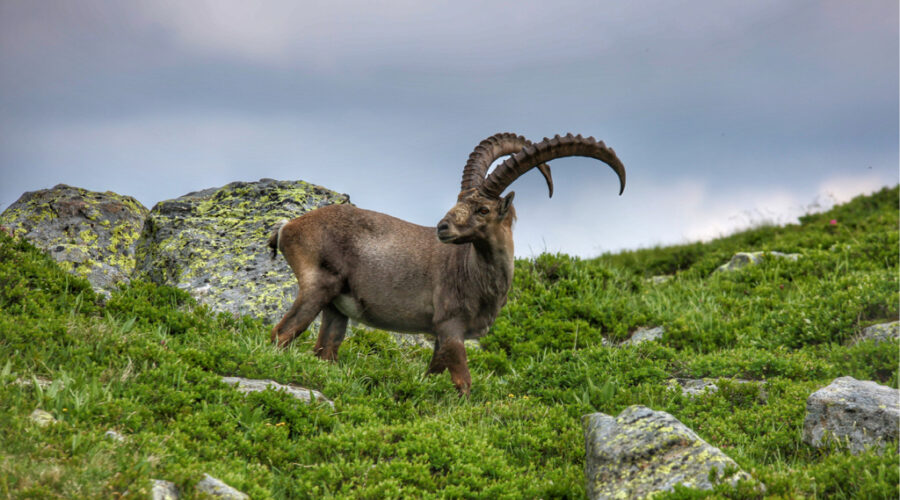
450, 354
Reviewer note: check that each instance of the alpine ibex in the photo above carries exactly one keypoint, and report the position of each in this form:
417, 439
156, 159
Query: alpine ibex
449, 281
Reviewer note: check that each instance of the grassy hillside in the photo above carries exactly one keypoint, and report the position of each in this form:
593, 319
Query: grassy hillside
147, 364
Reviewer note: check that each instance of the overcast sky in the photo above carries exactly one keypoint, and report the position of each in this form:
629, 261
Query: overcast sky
725, 113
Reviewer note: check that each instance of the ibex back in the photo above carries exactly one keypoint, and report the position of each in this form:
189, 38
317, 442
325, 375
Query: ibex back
450, 281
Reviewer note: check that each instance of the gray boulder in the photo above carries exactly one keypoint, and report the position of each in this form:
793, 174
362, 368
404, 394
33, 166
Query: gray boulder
246, 385
90, 234
884, 332
218, 489
213, 243
642, 452
743, 259
852, 413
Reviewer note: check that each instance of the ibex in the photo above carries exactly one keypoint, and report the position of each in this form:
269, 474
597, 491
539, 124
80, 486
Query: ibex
449, 281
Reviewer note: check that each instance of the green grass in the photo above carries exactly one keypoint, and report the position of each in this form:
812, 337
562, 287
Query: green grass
147, 364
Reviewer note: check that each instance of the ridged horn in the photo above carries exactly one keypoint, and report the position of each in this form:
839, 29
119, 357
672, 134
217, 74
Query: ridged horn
549, 149
488, 150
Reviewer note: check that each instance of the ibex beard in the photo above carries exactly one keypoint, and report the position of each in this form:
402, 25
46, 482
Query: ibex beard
450, 281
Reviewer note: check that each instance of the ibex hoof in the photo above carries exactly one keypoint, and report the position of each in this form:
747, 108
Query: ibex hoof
326, 354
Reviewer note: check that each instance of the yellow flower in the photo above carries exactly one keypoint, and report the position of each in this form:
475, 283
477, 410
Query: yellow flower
512, 395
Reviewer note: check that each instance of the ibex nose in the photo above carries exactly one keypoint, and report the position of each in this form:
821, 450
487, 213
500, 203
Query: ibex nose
443, 226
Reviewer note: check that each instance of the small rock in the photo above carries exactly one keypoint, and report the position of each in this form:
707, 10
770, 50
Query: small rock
217, 489
115, 436
853, 413
743, 259
693, 387
164, 490
658, 280
42, 382
251, 385
884, 332
642, 335
642, 452
42, 418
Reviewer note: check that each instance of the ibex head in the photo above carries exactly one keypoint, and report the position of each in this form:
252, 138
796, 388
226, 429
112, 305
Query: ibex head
480, 211
475, 217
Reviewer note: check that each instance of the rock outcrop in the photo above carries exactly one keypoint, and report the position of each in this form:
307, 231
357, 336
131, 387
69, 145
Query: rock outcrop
852, 413
642, 452
89, 233
213, 243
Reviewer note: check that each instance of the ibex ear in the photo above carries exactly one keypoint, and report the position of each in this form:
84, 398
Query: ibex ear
505, 203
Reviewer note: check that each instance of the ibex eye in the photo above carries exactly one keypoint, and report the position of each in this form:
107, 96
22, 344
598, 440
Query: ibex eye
484, 210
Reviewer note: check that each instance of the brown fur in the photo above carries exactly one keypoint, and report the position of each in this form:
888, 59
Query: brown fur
392, 274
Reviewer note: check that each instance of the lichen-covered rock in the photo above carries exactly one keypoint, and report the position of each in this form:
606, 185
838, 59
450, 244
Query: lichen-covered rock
743, 259
642, 452
213, 243
218, 489
89, 233
253, 385
884, 332
852, 413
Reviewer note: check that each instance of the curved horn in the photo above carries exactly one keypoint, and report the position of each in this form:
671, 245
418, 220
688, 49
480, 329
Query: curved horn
488, 150
544, 151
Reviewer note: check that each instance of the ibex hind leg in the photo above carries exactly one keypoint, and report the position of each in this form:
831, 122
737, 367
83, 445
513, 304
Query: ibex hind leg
302, 312
331, 333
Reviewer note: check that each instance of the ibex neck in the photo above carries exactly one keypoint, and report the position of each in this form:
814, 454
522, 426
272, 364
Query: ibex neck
494, 258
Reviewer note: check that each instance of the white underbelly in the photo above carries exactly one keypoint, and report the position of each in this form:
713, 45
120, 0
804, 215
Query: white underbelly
348, 307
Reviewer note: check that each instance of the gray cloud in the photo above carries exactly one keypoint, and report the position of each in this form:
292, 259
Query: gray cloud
715, 107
